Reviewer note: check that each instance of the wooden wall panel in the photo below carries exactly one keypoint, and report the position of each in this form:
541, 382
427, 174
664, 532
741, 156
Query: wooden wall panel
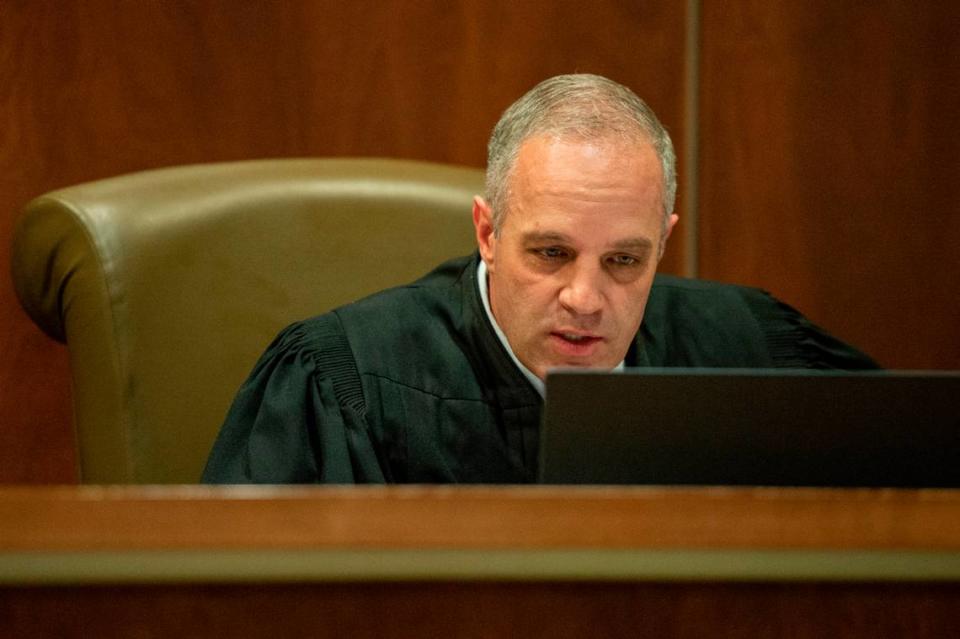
95, 88
829, 166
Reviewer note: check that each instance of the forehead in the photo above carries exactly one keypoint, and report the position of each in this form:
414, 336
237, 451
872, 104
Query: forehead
576, 176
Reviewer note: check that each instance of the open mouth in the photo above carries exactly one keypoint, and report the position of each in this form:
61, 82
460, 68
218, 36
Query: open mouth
574, 343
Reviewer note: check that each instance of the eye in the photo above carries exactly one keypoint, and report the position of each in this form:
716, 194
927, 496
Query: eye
550, 252
623, 260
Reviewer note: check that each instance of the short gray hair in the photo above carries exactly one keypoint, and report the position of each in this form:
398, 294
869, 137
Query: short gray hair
580, 105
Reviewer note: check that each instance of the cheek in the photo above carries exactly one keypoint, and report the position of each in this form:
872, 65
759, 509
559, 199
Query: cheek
532, 306
537, 293
527, 285
631, 305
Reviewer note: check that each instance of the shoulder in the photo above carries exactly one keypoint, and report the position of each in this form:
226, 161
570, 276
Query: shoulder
691, 322
426, 296
411, 335
685, 285
704, 323
684, 299
375, 322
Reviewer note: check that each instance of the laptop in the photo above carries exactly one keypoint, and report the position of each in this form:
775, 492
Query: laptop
757, 427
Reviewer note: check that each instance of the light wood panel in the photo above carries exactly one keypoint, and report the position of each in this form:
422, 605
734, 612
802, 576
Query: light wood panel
829, 137
95, 88
89, 518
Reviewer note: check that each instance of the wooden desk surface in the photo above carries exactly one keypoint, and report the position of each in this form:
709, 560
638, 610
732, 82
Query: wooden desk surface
478, 562
91, 534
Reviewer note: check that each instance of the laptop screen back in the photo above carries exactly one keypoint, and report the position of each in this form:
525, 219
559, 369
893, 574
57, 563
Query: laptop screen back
751, 427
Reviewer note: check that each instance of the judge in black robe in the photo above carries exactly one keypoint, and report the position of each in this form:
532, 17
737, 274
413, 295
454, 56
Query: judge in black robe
413, 384
440, 381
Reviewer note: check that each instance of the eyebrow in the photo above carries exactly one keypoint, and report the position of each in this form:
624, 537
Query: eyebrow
638, 244
635, 244
536, 237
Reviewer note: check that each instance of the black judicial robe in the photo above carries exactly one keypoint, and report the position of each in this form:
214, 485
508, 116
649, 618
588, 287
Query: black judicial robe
411, 385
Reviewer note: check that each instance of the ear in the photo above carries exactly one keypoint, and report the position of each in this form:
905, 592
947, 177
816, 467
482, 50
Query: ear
666, 234
483, 225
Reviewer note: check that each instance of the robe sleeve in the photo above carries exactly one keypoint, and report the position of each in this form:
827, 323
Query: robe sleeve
795, 342
288, 425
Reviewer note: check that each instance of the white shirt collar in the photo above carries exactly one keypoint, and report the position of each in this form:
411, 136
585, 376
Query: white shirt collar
485, 296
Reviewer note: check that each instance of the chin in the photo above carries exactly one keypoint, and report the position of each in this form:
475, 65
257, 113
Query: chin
577, 366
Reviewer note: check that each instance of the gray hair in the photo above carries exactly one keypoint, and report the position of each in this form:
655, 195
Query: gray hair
580, 105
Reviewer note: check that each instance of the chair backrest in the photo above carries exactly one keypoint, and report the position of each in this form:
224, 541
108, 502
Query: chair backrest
167, 285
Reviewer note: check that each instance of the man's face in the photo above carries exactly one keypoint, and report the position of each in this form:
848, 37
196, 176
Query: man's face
571, 270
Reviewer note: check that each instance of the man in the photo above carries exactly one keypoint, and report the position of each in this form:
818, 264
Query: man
442, 380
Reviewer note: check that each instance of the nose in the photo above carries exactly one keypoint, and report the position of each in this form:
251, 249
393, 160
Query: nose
582, 294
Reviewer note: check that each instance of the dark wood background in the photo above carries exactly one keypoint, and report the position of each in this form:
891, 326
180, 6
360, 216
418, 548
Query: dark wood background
827, 132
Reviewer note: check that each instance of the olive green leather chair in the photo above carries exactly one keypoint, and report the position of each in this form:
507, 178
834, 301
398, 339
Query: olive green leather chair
167, 285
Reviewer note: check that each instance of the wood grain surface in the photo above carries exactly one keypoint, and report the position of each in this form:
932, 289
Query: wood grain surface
145, 518
829, 168
96, 521
486, 610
